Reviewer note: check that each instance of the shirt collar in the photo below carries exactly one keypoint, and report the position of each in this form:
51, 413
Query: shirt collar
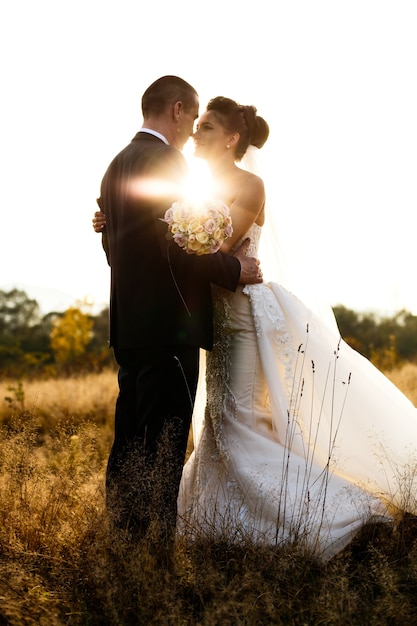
154, 132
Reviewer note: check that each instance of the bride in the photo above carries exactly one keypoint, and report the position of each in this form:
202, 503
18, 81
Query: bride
302, 439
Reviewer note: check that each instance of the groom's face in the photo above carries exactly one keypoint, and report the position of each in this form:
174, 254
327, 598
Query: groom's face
186, 123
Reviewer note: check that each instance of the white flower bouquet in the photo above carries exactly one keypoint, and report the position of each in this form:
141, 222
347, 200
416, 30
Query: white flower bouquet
199, 228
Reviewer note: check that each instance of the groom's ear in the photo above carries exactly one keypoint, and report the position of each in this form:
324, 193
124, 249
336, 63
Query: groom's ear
177, 109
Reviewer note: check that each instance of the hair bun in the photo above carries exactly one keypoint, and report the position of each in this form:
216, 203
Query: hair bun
258, 128
261, 132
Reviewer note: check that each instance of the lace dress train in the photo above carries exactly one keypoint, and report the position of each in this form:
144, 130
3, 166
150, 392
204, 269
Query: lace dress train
303, 439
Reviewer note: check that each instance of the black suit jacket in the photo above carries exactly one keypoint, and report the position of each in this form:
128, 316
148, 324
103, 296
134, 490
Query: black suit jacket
160, 295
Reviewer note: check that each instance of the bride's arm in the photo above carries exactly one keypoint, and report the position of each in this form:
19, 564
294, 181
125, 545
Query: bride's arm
246, 208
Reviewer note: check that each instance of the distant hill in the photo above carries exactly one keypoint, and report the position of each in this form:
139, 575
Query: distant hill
49, 300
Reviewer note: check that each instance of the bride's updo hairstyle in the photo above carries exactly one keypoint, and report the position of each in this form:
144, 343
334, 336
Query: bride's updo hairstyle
235, 118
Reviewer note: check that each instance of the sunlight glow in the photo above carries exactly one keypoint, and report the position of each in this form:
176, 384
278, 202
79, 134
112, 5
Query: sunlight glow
147, 188
199, 185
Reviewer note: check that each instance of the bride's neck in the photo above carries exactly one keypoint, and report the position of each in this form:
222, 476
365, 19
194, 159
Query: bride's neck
222, 170
223, 175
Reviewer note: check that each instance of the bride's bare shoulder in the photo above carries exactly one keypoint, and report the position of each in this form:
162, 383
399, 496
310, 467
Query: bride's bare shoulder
251, 184
250, 179
245, 189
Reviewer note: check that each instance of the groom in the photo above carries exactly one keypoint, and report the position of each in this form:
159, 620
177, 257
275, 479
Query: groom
160, 312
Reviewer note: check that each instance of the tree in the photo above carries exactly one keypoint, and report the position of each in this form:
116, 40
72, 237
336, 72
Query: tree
24, 336
406, 334
17, 313
100, 332
70, 335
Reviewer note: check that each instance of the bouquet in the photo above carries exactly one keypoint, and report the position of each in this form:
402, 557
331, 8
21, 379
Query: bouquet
199, 228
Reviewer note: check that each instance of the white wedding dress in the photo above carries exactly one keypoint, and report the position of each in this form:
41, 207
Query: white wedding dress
303, 440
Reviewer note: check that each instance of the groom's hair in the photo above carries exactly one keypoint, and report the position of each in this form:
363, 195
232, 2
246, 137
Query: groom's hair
165, 91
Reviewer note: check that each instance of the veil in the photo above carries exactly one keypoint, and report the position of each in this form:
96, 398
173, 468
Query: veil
271, 250
276, 244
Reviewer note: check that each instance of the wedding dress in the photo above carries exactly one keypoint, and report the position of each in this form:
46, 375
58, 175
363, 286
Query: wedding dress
302, 439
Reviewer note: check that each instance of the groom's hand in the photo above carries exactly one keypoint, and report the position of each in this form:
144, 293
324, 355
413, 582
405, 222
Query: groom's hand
250, 272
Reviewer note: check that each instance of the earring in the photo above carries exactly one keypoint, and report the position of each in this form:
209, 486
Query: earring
228, 145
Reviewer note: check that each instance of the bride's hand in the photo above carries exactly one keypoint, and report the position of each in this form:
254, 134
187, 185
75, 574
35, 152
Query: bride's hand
99, 221
250, 271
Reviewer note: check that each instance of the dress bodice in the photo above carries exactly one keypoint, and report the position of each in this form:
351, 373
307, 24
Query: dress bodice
254, 234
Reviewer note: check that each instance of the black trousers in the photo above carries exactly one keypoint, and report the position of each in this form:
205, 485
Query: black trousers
153, 413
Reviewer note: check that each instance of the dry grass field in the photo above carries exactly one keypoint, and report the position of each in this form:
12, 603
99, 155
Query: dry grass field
405, 378
60, 563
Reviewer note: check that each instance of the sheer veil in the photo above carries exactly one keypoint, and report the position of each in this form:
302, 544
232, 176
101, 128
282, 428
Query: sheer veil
271, 251
276, 242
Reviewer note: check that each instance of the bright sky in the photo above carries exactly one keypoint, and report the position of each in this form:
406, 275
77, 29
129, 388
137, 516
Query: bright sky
335, 80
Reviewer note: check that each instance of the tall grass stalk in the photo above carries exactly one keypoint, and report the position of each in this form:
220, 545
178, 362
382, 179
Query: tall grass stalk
311, 511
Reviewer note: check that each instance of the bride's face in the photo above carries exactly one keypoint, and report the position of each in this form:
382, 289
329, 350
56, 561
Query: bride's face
210, 138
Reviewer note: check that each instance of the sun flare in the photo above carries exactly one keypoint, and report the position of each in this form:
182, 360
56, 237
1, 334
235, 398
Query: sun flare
199, 184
